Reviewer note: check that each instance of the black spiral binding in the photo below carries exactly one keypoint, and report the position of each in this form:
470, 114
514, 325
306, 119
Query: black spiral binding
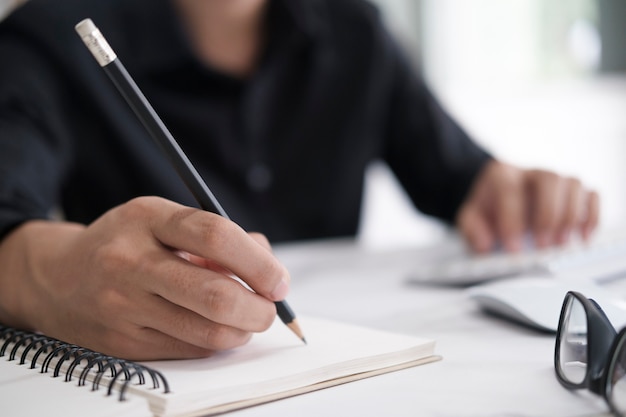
68, 359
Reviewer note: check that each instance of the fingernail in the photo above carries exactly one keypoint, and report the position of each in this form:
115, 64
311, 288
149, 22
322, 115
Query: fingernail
183, 254
281, 290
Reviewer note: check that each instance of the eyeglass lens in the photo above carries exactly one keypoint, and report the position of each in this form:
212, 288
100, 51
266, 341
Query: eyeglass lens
573, 344
618, 378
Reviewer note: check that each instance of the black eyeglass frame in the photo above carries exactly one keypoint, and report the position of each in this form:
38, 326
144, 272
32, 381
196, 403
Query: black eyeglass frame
603, 346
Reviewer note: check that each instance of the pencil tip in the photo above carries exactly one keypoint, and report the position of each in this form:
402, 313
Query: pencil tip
296, 329
304, 340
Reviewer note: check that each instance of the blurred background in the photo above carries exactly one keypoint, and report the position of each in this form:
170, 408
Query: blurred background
538, 83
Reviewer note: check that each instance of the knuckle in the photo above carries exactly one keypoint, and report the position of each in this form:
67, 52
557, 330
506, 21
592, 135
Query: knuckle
221, 337
215, 230
139, 207
551, 177
214, 337
117, 256
212, 233
508, 176
220, 299
545, 180
270, 272
543, 174
575, 183
111, 303
178, 218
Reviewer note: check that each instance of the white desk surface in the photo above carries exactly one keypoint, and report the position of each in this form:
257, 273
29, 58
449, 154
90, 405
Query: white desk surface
490, 367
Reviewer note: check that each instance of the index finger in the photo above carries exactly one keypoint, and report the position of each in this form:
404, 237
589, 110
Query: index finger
213, 237
548, 205
593, 214
510, 214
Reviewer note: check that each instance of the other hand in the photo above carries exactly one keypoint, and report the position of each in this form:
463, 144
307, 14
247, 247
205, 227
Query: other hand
505, 202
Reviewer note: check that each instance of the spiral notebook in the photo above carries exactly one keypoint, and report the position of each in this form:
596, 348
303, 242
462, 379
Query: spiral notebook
273, 365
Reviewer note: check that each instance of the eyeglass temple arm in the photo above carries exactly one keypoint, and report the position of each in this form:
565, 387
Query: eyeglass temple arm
602, 332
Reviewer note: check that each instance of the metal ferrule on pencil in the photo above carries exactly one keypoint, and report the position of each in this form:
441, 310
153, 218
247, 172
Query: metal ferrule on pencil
95, 41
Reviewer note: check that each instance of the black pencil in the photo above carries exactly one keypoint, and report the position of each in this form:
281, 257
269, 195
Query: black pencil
113, 67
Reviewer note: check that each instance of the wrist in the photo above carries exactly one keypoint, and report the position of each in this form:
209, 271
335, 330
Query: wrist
30, 262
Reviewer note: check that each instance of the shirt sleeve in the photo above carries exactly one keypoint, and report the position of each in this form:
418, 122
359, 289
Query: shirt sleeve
34, 145
431, 155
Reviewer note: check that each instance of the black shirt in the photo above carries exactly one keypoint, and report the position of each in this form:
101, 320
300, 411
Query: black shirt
284, 150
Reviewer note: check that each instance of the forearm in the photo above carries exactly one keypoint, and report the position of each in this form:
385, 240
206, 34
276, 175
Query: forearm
434, 159
432, 156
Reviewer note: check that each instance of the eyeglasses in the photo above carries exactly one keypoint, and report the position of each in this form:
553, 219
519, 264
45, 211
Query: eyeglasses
589, 354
